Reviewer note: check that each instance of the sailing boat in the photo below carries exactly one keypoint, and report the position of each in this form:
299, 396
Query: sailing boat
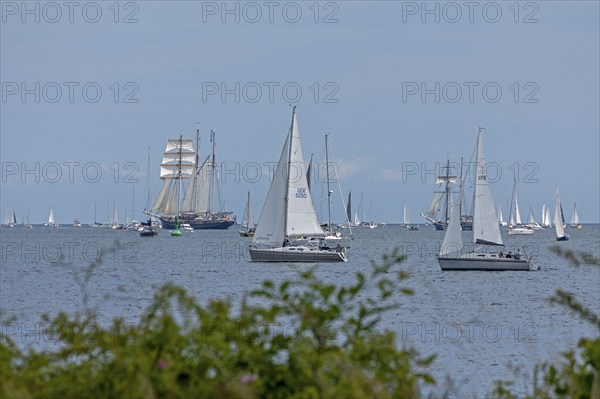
9, 221
558, 220
575, 218
431, 213
51, 220
532, 222
288, 213
348, 222
514, 224
197, 207
500, 218
248, 227
95, 224
486, 230
28, 225
406, 220
545, 217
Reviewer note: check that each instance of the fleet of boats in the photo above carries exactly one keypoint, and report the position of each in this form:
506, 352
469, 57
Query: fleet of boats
288, 229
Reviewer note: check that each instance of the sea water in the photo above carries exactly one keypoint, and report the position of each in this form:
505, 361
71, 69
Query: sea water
482, 326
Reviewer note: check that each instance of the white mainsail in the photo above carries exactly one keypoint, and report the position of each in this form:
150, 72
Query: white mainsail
197, 198
406, 216
453, 239
288, 211
558, 223
6, 217
432, 210
500, 218
548, 218
485, 220
575, 217
517, 213
531, 217
51, 217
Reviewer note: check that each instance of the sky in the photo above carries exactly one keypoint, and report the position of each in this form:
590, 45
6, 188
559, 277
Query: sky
89, 87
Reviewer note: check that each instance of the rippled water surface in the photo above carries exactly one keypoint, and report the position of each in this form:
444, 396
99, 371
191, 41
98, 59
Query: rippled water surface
483, 326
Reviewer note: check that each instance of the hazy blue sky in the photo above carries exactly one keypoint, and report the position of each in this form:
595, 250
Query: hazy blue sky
369, 60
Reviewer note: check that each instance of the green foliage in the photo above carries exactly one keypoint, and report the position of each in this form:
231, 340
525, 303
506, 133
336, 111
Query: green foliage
297, 339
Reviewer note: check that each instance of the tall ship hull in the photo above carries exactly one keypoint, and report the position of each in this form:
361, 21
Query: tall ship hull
168, 223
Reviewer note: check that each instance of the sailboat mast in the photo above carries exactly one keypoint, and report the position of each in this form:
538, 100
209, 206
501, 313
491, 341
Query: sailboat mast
212, 191
179, 174
328, 189
148, 182
512, 202
446, 216
287, 180
195, 188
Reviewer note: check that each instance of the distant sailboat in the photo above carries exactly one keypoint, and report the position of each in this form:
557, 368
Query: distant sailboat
288, 213
575, 218
558, 220
500, 218
532, 222
9, 221
486, 230
545, 217
248, 227
28, 224
406, 220
515, 227
548, 218
51, 221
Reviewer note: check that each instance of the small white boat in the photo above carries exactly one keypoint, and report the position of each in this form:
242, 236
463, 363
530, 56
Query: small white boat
575, 218
558, 220
51, 221
186, 227
515, 227
76, 223
248, 227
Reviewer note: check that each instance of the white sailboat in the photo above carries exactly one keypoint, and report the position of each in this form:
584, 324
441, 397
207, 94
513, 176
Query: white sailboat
558, 222
28, 224
288, 212
51, 221
500, 218
547, 218
575, 218
9, 221
532, 222
515, 227
248, 227
486, 230
406, 220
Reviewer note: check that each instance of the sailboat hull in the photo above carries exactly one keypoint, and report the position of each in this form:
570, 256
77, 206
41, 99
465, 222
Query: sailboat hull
296, 254
563, 238
520, 231
484, 262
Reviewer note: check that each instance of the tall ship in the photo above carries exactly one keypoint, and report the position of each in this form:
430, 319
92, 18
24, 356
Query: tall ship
442, 196
181, 167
